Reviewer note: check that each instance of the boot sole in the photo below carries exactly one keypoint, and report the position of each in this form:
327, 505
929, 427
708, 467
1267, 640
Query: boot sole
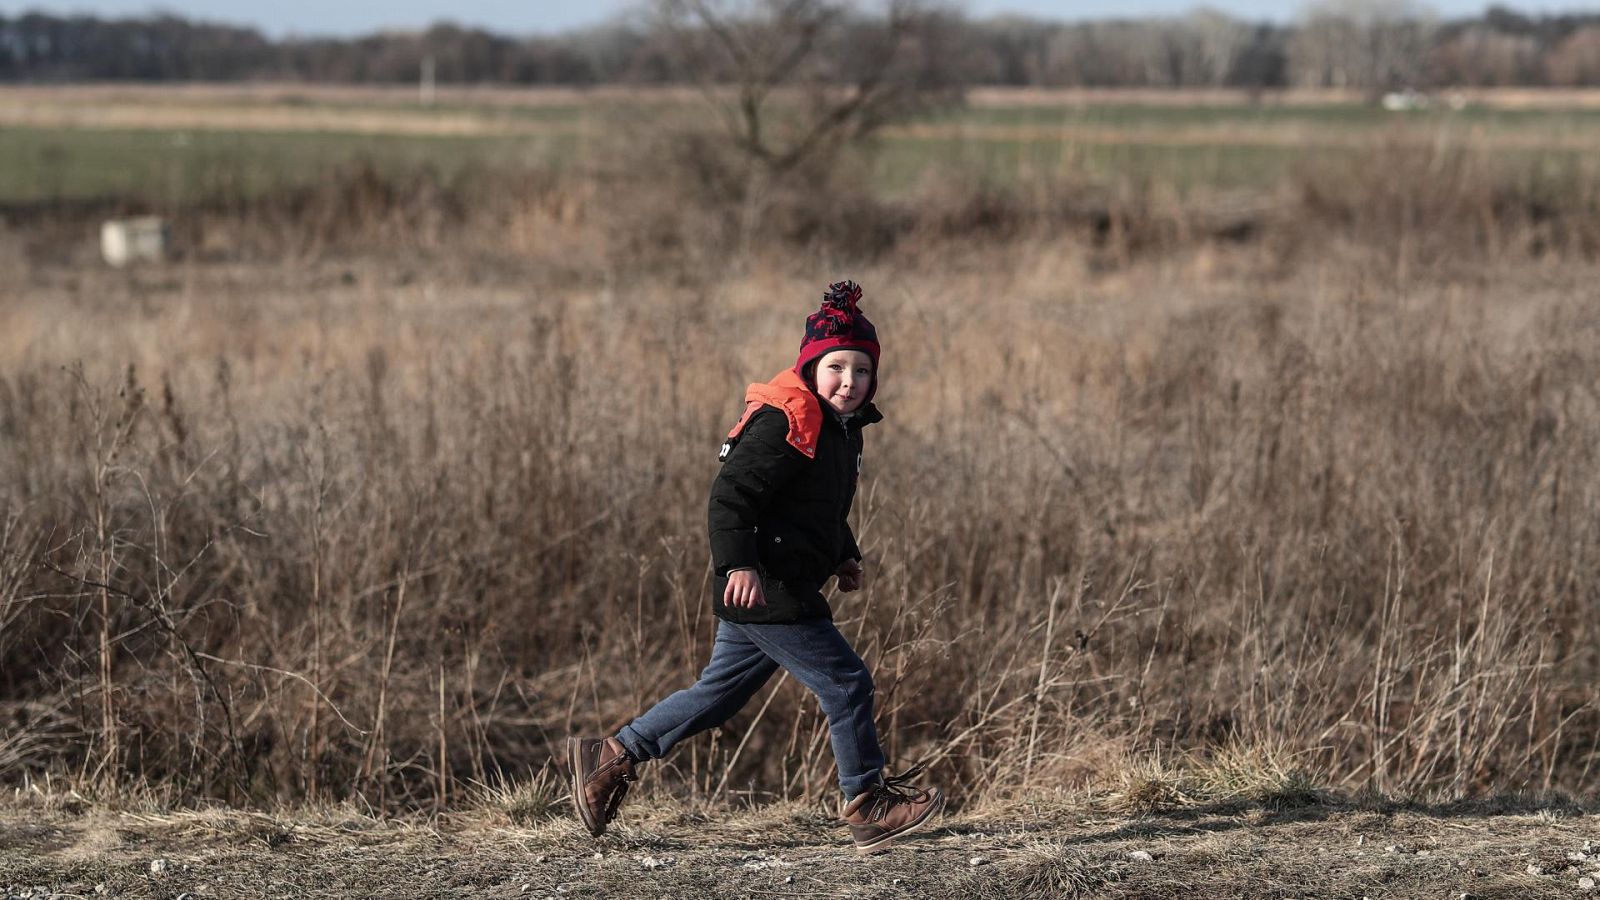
575, 762
883, 842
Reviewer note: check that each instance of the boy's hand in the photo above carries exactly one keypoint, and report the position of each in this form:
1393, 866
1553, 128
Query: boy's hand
851, 575
744, 590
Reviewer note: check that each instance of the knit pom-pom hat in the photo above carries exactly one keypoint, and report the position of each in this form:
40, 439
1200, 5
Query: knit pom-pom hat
838, 325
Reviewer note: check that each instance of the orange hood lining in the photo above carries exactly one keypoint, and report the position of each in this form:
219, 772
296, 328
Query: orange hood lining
789, 392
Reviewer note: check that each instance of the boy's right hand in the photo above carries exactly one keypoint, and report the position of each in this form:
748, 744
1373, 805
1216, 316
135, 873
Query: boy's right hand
744, 590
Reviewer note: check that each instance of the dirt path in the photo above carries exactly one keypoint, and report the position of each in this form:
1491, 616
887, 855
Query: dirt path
795, 852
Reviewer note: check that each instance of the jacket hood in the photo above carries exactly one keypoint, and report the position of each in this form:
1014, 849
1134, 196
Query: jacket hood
790, 393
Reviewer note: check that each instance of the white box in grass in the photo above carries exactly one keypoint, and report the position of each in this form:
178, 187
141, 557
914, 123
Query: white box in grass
125, 241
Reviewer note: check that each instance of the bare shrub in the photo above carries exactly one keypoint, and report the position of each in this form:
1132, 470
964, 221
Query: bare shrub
1446, 204
791, 83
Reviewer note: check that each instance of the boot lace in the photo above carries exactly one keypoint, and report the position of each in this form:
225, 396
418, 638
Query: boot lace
625, 775
895, 790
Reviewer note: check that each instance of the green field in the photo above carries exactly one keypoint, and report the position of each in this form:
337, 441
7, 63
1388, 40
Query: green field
1341, 116
1187, 146
905, 162
44, 165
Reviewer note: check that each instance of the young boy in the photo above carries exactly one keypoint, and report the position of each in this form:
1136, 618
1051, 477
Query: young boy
779, 530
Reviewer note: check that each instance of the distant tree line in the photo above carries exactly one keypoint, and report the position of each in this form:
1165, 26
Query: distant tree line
1372, 45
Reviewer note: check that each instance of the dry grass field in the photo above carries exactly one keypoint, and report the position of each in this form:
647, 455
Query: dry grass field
1230, 528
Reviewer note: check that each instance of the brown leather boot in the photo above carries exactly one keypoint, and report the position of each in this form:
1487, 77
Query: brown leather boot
890, 809
601, 773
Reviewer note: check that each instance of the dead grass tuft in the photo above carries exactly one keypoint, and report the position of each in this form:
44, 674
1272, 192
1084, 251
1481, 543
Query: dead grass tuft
1232, 775
1265, 775
524, 802
1046, 869
1148, 785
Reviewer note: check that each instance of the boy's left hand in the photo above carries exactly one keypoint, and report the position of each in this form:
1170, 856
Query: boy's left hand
851, 576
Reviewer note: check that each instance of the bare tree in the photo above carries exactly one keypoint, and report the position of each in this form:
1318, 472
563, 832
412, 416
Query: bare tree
1480, 56
1219, 41
1371, 45
1576, 61
789, 80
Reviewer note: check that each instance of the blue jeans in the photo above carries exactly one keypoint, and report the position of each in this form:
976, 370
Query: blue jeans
744, 657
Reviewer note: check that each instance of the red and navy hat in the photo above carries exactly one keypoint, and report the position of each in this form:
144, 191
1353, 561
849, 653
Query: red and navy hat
838, 325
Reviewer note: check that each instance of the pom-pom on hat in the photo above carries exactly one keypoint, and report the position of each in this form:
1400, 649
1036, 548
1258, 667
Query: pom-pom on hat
838, 325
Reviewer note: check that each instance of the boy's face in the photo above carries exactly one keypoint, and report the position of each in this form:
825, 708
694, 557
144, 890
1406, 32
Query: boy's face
843, 379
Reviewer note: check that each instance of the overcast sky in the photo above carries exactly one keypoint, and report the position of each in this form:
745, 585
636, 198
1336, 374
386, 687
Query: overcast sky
320, 17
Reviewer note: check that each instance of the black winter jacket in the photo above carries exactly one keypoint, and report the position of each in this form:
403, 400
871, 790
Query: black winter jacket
775, 510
